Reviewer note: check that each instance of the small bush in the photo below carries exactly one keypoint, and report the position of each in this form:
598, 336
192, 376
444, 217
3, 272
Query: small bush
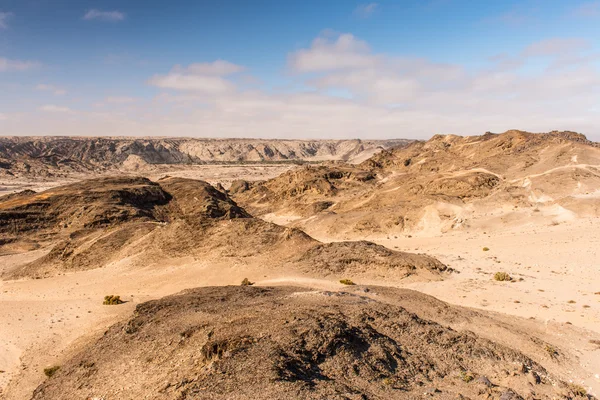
486, 249
112, 300
466, 376
347, 282
502, 276
51, 370
247, 282
551, 350
577, 390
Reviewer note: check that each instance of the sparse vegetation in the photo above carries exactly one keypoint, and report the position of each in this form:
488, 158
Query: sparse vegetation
246, 282
551, 350
347, 282
502, 277
486, 249
466, 376
577, 390
571, 302
51, 371
112, 300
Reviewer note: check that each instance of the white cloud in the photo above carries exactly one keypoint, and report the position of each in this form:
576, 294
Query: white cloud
555, 46
119, 100
208, 78
55, 109
17, 65
3, 117
207, 84
333, 53
51, 88
218, 68
109, 16
551, 84
4, 17
366, 10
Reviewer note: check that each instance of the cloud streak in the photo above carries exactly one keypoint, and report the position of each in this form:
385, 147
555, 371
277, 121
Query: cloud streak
7, 65
208, 78
55, 109
590, 9
366, 10
108, 16
43, 87
4, 17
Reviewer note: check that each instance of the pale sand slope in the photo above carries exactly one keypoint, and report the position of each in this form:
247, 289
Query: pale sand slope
41, 319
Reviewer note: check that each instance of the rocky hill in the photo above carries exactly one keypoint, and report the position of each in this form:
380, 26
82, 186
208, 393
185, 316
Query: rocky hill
89, 224
435, 186
57, 156
285, 342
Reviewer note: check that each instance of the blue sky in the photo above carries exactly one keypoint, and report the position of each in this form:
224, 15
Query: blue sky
301, 69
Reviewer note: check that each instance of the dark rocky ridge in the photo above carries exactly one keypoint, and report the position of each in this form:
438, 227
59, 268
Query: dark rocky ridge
273, 343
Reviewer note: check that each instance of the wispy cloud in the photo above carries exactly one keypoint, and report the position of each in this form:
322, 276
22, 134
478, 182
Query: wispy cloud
333, 53
119, 100
200, 77
17, 65
217, 68
4, 17
109, 16
51, 88
55, 109
366, 10
588, 9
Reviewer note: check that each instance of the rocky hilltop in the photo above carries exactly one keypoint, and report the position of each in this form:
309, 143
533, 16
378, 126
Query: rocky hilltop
48, 156
297, 343
444, 183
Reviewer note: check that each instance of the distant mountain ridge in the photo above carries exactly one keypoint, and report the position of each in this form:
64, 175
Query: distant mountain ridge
82, 154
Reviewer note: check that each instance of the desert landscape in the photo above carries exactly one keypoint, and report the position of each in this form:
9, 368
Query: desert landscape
454, 267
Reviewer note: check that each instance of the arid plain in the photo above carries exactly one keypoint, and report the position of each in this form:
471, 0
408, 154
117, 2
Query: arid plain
494, 236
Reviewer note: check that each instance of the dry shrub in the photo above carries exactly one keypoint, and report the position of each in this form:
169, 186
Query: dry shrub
112, 300
502, 276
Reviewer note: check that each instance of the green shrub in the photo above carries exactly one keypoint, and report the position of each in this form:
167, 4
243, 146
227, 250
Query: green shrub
51, 370
347, 282
112, 300
466, 376
246, 282
486, 249
502, 276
